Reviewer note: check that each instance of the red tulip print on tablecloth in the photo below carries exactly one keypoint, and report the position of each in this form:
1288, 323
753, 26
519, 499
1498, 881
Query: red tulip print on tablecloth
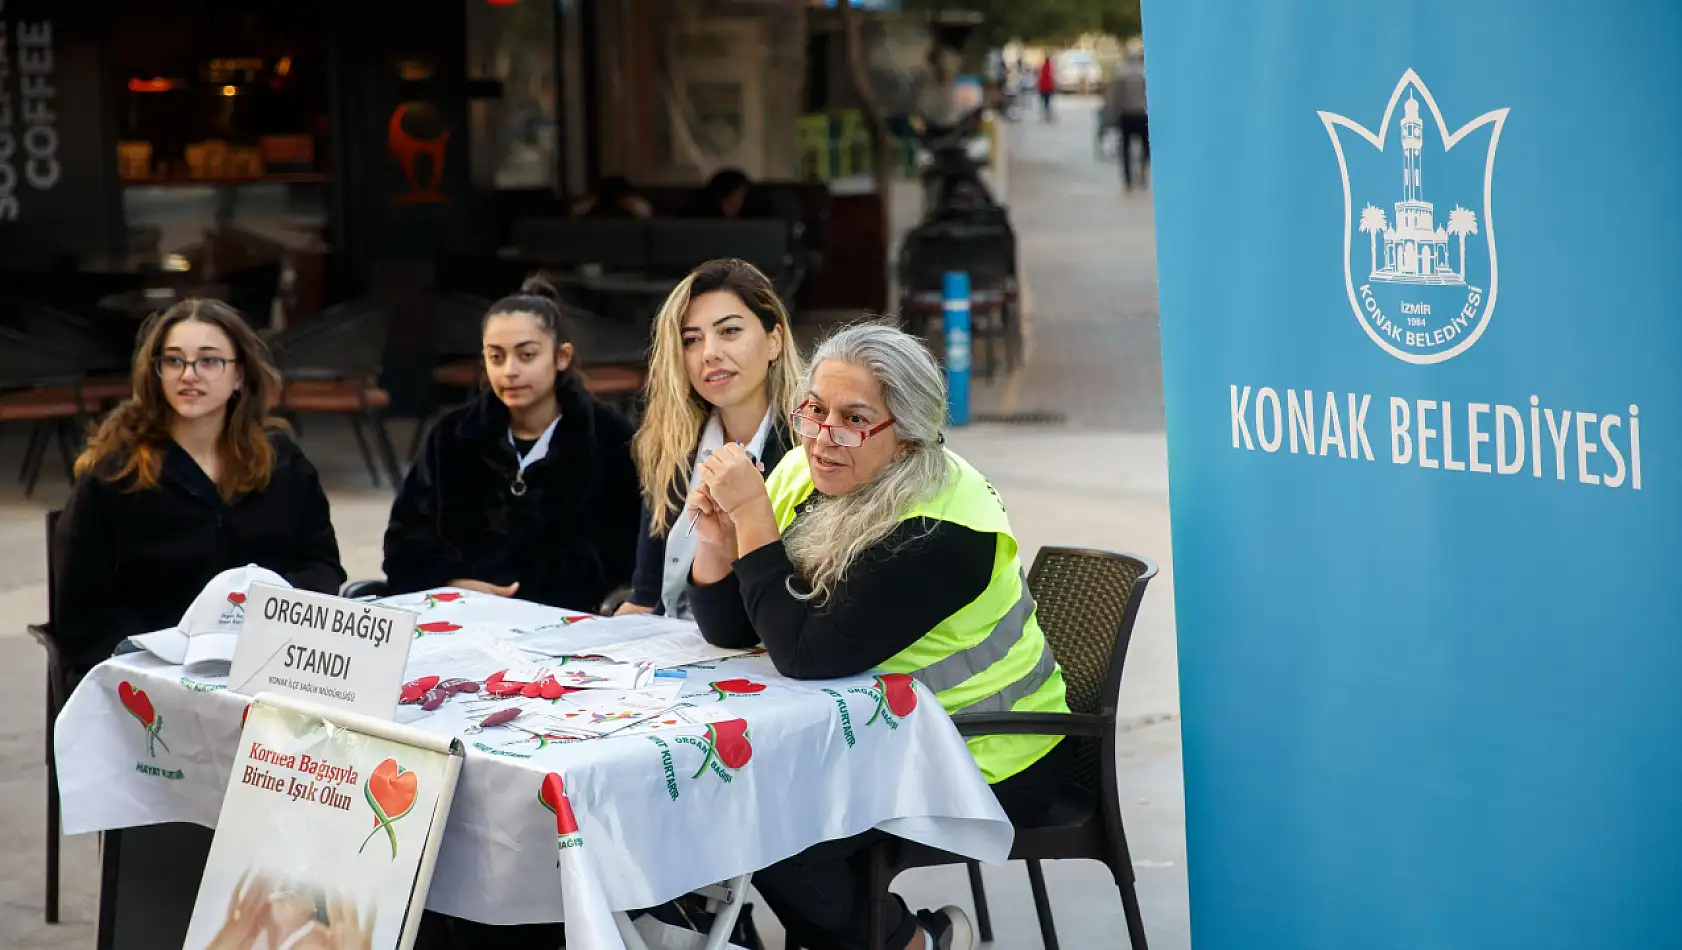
139, 705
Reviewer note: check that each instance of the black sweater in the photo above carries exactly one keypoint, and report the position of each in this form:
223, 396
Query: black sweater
651, 547
131, 561
901, 588
569, 541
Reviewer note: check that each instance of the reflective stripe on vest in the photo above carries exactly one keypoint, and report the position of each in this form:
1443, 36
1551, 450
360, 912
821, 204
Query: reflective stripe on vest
958, 668
990, 655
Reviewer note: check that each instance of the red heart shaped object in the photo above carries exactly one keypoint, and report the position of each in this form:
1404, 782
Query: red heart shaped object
550, 689
393, 788
437, 626
137, 703
554, 797
741, 686
900, 691
501, 688
494, 677
415, 690
730, 741
444, 598
235, 597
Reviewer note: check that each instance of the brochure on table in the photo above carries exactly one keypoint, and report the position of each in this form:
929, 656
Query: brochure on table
323, 649
328, 834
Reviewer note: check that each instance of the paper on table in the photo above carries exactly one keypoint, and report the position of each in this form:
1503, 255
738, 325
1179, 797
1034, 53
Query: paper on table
659, 641
585, 675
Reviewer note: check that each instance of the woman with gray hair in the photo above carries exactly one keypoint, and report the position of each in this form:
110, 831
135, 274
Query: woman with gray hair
874, 547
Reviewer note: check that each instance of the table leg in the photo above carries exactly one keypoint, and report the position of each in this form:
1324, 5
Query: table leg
725, 920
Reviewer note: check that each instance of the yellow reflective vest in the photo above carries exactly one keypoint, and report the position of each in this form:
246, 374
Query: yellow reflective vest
991, 655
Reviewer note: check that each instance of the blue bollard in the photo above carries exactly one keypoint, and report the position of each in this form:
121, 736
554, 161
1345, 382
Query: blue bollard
955, 309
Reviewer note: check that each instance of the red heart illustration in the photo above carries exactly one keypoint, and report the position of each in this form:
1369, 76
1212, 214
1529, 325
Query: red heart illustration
137, 703
737, 686
900, 691
437, 626
393, 788
730, 741
444, 598
235, 597
554, 797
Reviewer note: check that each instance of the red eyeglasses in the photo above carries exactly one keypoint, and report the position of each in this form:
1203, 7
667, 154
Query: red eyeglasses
847, 437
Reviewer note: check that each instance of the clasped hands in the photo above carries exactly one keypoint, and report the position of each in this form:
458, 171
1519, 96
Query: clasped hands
731, 483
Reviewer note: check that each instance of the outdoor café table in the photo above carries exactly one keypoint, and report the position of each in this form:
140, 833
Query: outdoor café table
660, 812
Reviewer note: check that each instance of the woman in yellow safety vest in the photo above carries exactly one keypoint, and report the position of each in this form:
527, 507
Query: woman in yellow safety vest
872, 546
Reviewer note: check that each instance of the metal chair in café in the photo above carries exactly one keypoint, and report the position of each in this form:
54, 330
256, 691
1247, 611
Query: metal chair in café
331, 366
44, 387
58, 691
1087, 604
985, 249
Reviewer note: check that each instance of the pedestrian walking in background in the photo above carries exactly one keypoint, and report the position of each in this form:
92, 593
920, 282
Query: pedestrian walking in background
1047, 87
1124, 107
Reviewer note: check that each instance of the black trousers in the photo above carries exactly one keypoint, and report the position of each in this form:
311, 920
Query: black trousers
822, 895
1134, 125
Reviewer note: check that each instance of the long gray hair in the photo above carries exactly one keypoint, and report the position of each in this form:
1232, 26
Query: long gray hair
826, 541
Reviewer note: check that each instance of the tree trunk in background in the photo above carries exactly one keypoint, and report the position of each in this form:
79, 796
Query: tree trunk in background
881, 142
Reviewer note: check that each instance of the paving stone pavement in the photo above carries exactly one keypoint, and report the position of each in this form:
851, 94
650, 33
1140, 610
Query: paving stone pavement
1100, 480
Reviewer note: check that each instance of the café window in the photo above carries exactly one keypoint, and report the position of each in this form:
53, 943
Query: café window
516, 137
223, 136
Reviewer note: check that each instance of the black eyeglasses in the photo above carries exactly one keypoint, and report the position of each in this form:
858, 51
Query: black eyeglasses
207, 367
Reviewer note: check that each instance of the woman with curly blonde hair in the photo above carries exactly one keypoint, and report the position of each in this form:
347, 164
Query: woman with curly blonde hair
724, 370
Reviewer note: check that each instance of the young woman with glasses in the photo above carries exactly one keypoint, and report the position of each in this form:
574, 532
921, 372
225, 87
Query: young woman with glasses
187, 478
724, 370
873, 547
528, 490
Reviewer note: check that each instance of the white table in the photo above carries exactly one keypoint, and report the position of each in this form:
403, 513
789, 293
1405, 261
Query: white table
659, 813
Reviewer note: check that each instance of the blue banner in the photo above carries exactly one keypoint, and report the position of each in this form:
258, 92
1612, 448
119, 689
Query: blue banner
1423, 367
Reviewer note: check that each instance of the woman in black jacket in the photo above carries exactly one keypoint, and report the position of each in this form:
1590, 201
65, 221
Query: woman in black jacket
724, 369
528, 490
184, 480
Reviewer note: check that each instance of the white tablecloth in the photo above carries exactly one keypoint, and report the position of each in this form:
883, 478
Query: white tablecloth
659, 814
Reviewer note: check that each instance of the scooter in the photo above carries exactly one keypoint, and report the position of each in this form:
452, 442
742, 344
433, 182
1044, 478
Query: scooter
952, 181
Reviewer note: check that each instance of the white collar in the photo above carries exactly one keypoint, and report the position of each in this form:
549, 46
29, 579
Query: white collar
539, 449
712, 437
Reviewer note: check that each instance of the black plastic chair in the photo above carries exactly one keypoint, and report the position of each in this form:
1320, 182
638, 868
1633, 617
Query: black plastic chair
58, 691
331, 366
43, 386
1088, 601
365, 588
984, 247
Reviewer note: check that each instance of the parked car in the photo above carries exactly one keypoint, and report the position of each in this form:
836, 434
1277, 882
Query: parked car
1076, 71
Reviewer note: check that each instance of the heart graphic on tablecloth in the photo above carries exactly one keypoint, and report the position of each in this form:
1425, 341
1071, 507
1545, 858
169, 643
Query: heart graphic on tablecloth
137, 703
554, 797
390, 791
728, 743
737, 687
436, 626
899, 695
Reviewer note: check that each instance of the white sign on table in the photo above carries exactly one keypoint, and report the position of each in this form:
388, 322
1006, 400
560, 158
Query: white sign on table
328, 834
324, 649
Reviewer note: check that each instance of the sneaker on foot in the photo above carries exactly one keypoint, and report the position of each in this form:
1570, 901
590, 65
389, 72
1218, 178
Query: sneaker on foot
948, 928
